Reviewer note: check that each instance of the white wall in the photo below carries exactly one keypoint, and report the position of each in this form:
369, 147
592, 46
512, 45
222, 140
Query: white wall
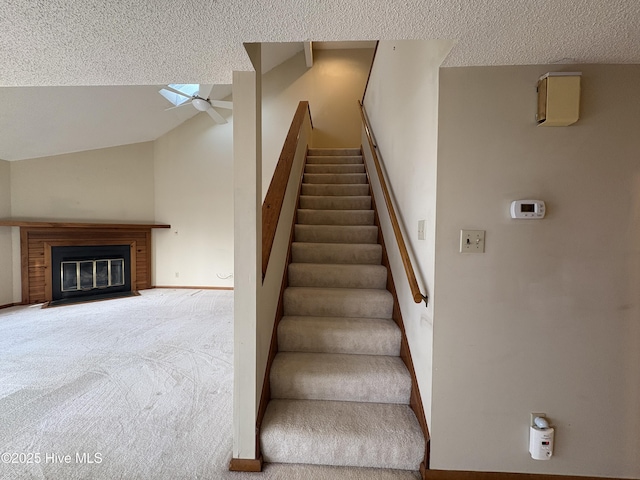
247, 200
548, 319
109, 184
402, 106
6, 256
184, 178
193, 184
332, 86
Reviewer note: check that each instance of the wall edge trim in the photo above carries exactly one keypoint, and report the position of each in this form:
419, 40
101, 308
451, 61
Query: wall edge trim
245, 465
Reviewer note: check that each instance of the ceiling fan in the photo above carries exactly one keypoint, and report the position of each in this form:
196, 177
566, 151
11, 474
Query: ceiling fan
201, 101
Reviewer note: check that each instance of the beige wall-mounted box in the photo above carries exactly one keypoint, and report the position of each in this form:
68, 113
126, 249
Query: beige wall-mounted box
558, 99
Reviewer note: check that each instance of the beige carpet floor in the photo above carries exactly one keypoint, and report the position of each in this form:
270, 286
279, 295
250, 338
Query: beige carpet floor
133, 388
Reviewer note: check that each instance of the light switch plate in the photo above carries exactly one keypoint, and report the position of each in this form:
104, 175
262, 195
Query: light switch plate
471, 241
421, 234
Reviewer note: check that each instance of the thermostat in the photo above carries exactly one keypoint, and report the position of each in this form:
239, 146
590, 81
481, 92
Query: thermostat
527, 209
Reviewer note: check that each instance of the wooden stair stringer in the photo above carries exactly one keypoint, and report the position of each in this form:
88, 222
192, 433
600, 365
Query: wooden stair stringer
405, 353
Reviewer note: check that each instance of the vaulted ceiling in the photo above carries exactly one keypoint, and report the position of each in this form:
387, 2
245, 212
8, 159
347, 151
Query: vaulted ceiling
45, 121
133, 42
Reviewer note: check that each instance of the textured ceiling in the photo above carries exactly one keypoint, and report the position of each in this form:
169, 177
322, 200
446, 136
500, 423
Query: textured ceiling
128, 42
141, 42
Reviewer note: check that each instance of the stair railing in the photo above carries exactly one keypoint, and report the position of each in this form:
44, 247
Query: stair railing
404, 252
272, 205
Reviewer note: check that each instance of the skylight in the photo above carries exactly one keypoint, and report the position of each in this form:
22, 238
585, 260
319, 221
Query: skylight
189, 89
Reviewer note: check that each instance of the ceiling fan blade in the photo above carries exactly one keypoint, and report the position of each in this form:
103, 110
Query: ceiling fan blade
205, 90
177, 106
216, 116
222, 104
178, 92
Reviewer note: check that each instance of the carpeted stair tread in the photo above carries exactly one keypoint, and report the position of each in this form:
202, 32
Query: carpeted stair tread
328, 178
333, 151
337, 275
335, 189
336, 233
358, 336
299, 471
335, 217
357, 434
340, 377
334, 159
338, 302
336, 202
353, 253
334, 168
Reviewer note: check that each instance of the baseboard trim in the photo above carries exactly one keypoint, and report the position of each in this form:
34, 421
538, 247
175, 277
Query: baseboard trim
9, 305
465, 475
193, 288
245, 465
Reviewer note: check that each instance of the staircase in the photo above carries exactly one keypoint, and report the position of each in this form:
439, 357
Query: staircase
339, 390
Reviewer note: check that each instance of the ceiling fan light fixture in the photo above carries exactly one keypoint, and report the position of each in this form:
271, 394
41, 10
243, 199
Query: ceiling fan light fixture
200, 104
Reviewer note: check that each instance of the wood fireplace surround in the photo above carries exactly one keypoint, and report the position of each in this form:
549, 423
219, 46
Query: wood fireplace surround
37, 238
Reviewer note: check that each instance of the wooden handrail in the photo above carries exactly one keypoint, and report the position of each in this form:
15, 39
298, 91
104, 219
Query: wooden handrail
272, 204
404, 253
373, 60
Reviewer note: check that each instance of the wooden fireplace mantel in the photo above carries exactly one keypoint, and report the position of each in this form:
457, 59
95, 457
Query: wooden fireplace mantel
38, 236
17, 222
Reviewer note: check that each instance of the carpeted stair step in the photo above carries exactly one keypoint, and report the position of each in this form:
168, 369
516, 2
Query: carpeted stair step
335, 189
336, 233
335, 217
334, 159
335, 202
299, 471
353, 253
337, 276
334, 169
339, 390
340, 377
341, 178
338, 302
358, 336
333, 152
342, 433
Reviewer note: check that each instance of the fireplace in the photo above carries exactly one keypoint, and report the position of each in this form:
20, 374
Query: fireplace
39, 237
90, 272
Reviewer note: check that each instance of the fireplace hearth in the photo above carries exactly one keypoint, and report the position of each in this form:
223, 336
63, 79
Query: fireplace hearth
89, 272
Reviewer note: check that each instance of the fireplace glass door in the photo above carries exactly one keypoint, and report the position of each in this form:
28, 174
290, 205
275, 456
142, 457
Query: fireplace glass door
91, 274
89, 271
